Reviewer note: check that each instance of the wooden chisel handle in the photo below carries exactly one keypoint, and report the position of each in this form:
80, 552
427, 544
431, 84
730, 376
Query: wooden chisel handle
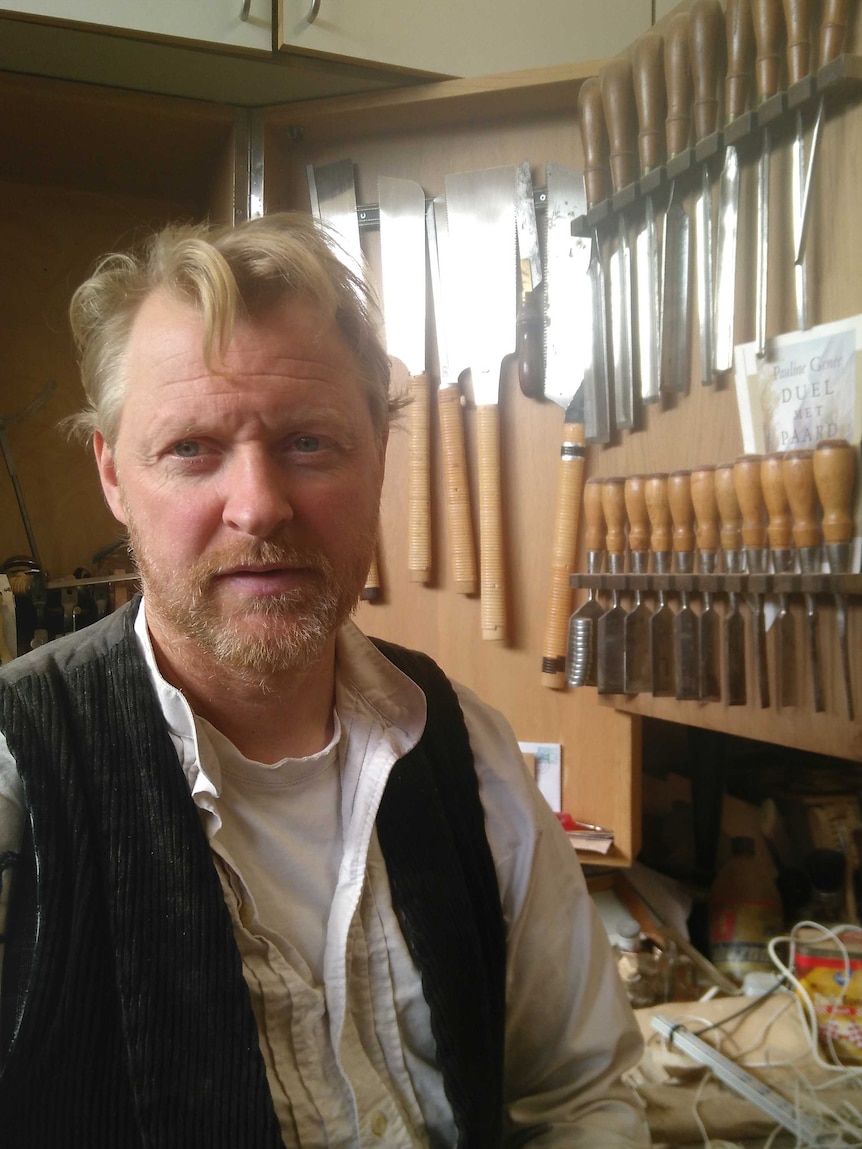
614, 507
728, 508
638, 515
798, 472
678, 84
834, 465
833, 30
594, 516
618, 101
767, 37
419, 481
462, 546
681, 511
570, 489
749, 492
779, 529
740, 57
706, 45
797, 19
594, 137
705, 503
650, 99
658, 509
493, 587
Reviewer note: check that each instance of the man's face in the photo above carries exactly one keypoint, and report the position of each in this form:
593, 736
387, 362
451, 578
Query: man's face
250, 490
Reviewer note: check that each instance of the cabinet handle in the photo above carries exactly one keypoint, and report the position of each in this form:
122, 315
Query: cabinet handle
313, 11
246, 4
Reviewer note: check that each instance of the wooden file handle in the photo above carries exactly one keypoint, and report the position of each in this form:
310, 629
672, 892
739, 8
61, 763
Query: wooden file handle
570, 489
462, 546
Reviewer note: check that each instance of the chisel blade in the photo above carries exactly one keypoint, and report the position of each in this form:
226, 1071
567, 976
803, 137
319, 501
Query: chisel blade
734, 655
676, 294
785, 655
637, 646
709, 637
662, 651
611, 638
686, 653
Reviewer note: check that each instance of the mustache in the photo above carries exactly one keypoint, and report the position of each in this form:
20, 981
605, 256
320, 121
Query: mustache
266, 553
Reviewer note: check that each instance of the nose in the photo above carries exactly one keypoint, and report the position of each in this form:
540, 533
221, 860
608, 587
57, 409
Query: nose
256, 498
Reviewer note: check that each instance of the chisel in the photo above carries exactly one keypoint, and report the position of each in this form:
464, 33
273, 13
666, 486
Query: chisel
779, 532
749, 492
767, 29
798, 471
637, 661
675, 319
686, 651
835, 477
740, 44
661, 623
651, 104
797, 17
730, 537
707, 540
610, 632
582, 640
706, 46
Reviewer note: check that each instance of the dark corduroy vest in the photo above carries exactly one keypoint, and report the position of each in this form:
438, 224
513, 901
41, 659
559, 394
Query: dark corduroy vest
127, 1022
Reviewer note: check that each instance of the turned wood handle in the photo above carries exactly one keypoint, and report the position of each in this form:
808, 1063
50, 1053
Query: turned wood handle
749, 492
767, 38
833, 30
419, 481
658, 509
706, 45
798, 472
530, 334
728, 508
594, 137
779, 529
570, 489
462, 546
594, 516
705, 510
614, 507
835, 478
650, 99
618, 102
638, 515
493, 587
677, 79
740, 57
797, 20
681, 510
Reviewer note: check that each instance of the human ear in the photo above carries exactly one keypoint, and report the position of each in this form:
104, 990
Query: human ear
107, 467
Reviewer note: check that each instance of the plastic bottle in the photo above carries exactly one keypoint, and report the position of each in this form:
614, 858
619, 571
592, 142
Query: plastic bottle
642, 966
745, 912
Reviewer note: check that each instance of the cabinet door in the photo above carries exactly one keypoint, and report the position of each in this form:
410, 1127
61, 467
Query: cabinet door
208, 21
449, 37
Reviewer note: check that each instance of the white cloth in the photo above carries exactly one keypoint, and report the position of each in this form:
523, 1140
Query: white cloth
350, 1059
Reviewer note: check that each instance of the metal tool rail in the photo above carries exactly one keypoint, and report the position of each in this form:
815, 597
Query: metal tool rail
741, 583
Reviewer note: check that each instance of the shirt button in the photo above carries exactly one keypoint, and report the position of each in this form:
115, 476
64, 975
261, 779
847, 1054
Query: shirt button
378, 1123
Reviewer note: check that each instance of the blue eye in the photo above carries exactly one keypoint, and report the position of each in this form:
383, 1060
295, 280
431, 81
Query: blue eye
307, 443
186, 449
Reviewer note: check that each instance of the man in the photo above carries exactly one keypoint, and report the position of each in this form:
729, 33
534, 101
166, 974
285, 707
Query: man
275, 883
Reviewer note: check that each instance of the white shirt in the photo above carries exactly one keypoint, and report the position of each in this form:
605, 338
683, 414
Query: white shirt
344, 1027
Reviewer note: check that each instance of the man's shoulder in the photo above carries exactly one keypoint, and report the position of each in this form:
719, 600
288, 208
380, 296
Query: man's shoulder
65, 654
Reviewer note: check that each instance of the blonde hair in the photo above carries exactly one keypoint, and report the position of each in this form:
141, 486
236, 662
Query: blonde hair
229, 273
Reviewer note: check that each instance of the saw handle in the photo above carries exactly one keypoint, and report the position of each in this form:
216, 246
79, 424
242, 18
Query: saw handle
419, 481
707, 50
798, 471
740, 57
833, 30
570, 489
618, 101
767, 37
797, 19
678, 84
594, 138
650, 99
779, 530
705, 510
492, 572
835, 477
462, 546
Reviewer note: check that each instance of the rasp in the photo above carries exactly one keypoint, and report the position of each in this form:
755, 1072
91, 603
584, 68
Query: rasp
530, 320
749, 492
730, 516
686, 631
581, 660
462, 546
798, 472
779, 532
740, 45
706, 46
676, 288
767, 33
611, 640
568, 294
707, 544
618, 101
404, 274
661, 623
597, 380
835, 464
637, 657
651, 104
